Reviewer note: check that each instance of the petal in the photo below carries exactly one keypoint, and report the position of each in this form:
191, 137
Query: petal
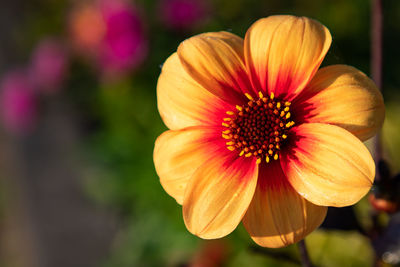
282, 53
278, 216
218, 195
343, 96
182, 102
177, 155
215, 60
328, 165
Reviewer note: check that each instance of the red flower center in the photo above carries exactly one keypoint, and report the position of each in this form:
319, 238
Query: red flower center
258, 128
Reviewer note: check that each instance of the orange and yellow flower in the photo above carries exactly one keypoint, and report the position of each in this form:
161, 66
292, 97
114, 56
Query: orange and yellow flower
259, 134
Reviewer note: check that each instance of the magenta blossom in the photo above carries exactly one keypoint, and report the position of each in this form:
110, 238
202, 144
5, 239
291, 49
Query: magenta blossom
183, 14
124, 45
18, 102
49, 66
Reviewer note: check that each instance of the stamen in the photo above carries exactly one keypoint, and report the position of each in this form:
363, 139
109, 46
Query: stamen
258, 128
272, 96
225, 136
249, 96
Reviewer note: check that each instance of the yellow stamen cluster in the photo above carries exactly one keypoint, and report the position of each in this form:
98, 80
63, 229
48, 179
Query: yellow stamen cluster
258, 127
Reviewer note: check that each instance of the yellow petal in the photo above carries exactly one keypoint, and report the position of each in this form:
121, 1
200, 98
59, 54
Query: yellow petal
177, 155
343, 96
215, 60
278, 216
328, 165
182, 102
218, 195
282, 53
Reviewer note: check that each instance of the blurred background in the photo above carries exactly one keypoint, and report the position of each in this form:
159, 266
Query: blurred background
79, 119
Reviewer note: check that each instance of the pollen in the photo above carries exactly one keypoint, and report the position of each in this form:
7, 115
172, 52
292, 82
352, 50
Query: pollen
258, 128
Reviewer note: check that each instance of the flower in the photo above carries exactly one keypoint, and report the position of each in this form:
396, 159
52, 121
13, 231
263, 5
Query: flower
183, 14
49, 65
259, 134
112, 33
18, 102
124, 46
86, 28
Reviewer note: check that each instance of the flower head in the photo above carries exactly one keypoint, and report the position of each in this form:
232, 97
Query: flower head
18, 102
87, 27
259, 134
112, 32
125, 44
183, 14
49, 65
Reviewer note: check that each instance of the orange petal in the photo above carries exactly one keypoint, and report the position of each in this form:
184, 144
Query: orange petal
278, 216
177, 155
328, 165
218, 195
343, 96
182, 102
282, 53
215, 60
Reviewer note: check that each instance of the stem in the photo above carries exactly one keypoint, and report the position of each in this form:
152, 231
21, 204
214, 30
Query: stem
305, 259
376, 72
376, 62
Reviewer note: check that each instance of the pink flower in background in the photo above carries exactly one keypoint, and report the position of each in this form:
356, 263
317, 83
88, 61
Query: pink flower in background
124, 46
113, 33
183, 14
18, 102
49, 66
